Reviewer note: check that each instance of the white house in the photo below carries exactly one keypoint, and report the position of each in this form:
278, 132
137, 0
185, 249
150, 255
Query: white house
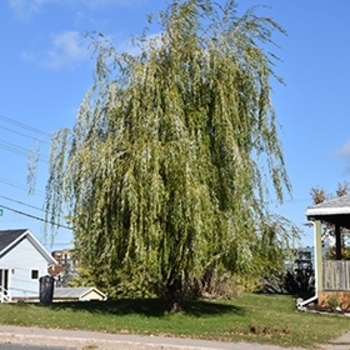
23, 260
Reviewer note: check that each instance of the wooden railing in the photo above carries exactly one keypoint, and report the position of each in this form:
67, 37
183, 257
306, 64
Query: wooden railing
4, 295
336, 275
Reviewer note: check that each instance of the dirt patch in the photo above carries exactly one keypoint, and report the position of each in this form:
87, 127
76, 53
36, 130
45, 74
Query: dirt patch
316, 308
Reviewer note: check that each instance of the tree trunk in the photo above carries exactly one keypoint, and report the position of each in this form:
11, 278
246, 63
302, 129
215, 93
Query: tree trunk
174, 294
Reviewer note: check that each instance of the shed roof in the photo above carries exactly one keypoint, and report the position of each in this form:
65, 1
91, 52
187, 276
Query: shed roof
76, 292
336, 210
340, 205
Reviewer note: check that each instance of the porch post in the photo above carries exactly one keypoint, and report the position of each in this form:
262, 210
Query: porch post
338, 255
318, 256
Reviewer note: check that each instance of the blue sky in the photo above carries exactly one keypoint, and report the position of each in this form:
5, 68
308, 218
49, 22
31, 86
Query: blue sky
46, 68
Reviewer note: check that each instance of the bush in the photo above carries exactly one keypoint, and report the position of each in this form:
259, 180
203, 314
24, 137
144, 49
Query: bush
333, 303
295, 282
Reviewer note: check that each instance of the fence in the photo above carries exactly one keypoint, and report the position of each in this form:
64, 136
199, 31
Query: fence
336, 275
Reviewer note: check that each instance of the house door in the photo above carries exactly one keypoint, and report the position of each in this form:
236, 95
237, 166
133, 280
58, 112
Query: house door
4, 279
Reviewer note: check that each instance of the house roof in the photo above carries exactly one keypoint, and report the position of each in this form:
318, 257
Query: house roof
336, 210
76, 292
340, 205
9, 238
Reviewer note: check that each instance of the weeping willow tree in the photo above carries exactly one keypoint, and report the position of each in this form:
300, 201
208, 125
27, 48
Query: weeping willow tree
165, 173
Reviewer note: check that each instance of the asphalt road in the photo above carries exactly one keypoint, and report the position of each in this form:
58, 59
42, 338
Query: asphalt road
32, 338
31, 347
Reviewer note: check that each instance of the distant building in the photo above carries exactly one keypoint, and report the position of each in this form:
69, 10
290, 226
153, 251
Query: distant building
305, 258
66, 267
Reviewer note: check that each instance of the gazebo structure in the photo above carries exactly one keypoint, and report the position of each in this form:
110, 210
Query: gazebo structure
332, 277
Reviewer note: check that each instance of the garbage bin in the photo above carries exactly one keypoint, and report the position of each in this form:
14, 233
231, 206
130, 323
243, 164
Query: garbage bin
46, 289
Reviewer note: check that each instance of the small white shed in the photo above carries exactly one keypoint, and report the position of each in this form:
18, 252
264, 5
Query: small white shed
78, 294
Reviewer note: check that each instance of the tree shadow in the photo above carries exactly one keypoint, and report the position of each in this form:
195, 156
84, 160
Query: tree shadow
293, 295
147, 307
200, 308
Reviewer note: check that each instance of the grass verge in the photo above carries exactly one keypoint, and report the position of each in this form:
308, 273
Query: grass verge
268, 319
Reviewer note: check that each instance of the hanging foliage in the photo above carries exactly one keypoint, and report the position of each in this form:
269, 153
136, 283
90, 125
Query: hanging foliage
165, 173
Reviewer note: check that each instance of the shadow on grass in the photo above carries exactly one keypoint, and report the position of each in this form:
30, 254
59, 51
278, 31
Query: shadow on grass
146, 307
300, 294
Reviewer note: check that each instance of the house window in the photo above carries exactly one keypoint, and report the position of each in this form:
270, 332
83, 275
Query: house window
35, 274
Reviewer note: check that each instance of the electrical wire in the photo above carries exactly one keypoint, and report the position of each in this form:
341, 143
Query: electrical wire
14, 151
10, 147
24, 135
20, 186
24, 126
36, 217
22, 203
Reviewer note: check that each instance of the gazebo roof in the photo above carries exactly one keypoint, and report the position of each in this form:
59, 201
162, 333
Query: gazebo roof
336, 210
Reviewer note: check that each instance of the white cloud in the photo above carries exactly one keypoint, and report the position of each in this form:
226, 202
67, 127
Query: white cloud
130, 48
68, 48
101, 3
344, 152
26, 8
71, 47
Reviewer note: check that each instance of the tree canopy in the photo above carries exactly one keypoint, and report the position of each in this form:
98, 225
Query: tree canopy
166, 172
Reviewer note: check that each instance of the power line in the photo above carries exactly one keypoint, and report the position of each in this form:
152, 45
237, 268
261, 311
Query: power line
36, 217
20, 186
10, 147
24, 126
15, 151
24, 135
22, 203
24, 152
62, 244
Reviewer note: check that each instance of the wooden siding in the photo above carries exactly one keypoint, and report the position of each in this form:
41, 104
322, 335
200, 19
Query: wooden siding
336, 275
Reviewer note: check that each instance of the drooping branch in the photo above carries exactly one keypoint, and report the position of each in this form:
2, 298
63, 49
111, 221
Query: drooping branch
162, 172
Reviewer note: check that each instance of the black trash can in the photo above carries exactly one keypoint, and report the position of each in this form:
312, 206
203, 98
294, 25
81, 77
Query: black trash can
47, 284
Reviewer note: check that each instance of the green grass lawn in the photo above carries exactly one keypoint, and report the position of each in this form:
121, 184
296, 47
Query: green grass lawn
254, 318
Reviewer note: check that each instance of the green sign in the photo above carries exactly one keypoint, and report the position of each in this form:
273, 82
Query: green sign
1, 212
